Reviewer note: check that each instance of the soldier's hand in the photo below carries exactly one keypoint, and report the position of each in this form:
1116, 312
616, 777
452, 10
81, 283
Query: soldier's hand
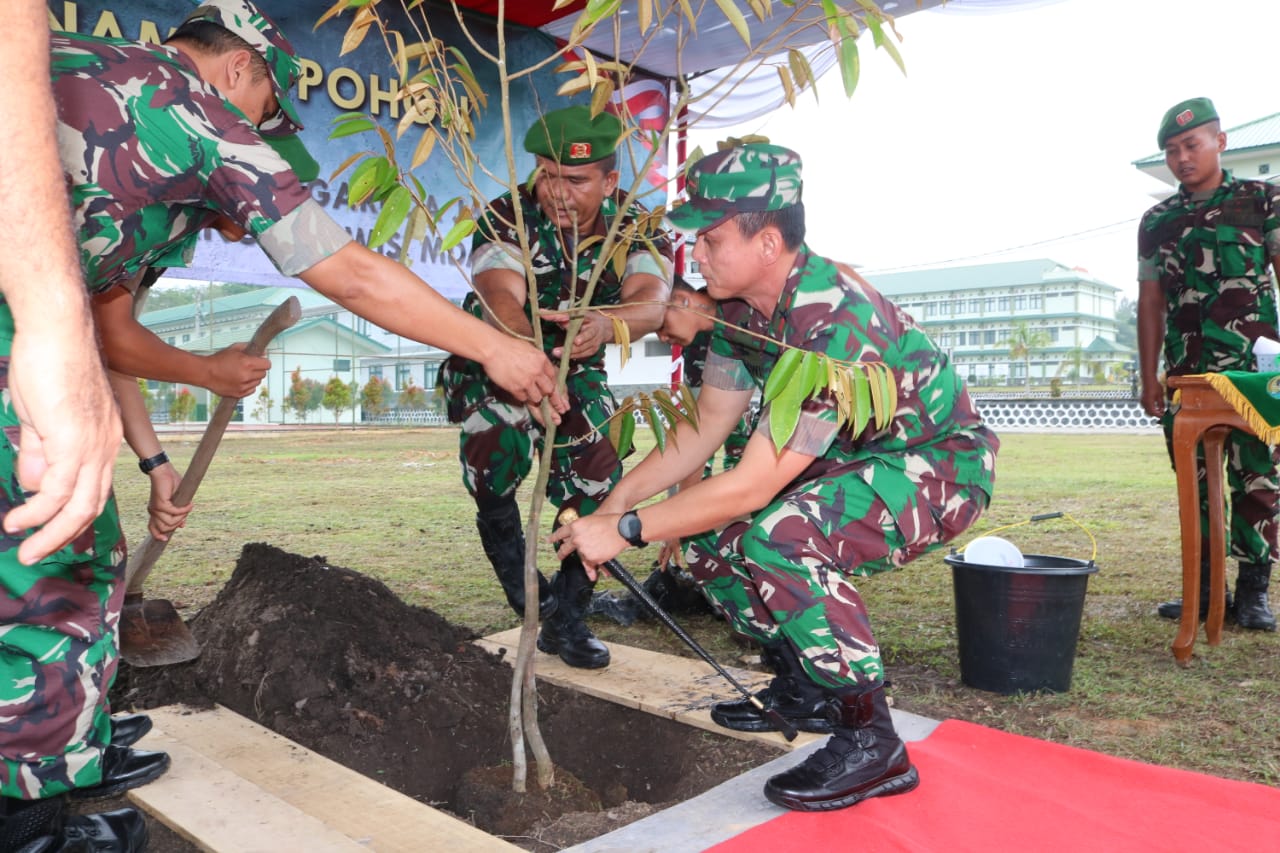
1153, 400
596, 331
166, 517
524, 372
234, 373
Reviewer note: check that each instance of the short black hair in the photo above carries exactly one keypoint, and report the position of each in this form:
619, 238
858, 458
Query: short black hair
215, 39
789, 221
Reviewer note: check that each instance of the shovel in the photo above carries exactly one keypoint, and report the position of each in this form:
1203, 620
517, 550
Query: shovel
151, 631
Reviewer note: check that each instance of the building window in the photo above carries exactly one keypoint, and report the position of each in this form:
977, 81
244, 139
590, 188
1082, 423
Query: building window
375, 370
404, 375
430, 373
989, 337
1004, 303
1019, 303
1037, 302
341, 365
186, 338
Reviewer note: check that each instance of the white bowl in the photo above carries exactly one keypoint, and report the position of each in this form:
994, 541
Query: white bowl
993, 551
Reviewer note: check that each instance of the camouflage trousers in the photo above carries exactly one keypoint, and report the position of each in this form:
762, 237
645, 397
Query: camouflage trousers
58, 656
786, 573
1254, 495
498, 440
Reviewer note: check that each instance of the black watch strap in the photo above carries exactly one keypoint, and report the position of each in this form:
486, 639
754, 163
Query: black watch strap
629, 529
152, 462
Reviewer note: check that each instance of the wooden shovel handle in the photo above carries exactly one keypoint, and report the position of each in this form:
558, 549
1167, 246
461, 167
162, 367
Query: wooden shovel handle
144, 557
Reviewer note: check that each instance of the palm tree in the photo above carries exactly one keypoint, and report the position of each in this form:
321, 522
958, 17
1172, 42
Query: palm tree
1023, 342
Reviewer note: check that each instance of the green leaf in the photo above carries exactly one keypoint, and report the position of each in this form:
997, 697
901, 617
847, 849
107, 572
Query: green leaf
461, 229
849, 65
622, 429
879, 38
394, 211
861, 400
780, 376
812, 374
366, 178
784, 413
654, 415
351, 127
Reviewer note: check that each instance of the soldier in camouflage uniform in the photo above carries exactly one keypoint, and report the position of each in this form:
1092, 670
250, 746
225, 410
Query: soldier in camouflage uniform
154, 142
60, 436
1205, 261
782, 537
574, 197
215, 140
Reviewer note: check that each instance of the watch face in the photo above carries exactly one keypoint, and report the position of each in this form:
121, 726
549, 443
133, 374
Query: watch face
629, 527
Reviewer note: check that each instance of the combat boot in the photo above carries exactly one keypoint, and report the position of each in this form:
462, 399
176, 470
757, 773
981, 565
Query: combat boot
1252, 611
864, 758
1173, 609
503, 541
42, 826
800, 702
565, 632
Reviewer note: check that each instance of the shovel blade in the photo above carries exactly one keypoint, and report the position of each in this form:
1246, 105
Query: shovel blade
153, 634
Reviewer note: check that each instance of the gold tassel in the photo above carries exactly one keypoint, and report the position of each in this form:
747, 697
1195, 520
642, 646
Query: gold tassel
1238, 401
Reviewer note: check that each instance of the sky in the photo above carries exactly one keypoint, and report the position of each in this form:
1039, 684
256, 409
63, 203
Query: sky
1015, 127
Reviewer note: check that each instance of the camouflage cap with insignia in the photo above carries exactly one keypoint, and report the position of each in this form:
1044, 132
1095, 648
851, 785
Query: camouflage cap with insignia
243, 18
1185, 116
741, 179
571, 136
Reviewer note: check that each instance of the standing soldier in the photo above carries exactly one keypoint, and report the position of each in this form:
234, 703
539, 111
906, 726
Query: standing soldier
574, 198
1205, 261
784, 534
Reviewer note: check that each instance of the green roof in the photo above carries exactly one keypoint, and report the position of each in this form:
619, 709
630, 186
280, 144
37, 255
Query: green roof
1260, 133
265, 297
980, 276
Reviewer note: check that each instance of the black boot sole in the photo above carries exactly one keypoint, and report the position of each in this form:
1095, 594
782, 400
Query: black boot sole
816, 725
896, 785
112, 789
576, 663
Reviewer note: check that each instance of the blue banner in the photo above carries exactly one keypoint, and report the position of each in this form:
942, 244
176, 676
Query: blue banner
360, 81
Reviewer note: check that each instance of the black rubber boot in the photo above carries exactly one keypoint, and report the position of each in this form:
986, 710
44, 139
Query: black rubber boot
801, 702
566, 633
1252, 610
1173, 609
864, 758
503, 540
42, 826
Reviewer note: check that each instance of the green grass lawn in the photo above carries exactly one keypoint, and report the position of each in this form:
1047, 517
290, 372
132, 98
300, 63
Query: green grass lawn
389, 503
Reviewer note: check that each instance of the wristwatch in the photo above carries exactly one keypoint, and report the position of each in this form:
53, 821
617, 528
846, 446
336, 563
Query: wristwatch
629, 529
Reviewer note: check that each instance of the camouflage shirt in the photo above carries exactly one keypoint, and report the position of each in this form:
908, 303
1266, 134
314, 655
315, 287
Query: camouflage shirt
823, 309
1211, 253
151, 152
497, 245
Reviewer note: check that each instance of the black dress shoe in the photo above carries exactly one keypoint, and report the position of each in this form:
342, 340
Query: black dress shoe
124, 768
120, 831
128, 729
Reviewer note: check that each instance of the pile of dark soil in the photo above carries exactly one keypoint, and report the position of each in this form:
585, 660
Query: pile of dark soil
331, 659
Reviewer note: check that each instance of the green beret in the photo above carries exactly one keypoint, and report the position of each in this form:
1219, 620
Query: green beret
571, 136
742, 179
1185, 116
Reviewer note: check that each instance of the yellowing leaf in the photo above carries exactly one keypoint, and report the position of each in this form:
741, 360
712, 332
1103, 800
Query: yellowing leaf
422, 151
689, 404
734, 16
788, 91
622, 337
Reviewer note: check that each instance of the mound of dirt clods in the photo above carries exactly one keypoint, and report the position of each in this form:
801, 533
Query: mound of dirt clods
331, 659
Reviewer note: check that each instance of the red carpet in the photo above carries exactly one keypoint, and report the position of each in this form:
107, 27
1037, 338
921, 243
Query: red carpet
985, 790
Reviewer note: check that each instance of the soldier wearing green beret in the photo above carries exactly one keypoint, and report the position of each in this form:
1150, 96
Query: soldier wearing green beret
574, 196
1206, 292
778, 542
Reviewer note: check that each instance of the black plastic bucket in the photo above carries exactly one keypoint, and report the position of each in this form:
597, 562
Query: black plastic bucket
1017, 627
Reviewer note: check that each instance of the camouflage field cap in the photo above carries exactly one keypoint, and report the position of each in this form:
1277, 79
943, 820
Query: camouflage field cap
1185, 116
243, 18
570, 136
743, 179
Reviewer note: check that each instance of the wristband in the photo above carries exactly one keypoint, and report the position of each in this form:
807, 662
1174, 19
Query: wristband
150, 464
